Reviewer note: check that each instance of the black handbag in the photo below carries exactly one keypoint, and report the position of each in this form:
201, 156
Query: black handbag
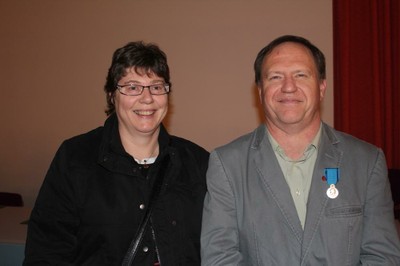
133, 247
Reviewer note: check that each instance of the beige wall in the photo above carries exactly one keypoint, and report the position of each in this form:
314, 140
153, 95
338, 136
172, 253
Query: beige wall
55, 54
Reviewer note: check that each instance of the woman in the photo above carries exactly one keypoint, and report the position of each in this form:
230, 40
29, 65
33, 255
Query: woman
97, 191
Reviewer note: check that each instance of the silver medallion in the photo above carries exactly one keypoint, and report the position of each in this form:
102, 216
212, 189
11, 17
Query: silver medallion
332, 192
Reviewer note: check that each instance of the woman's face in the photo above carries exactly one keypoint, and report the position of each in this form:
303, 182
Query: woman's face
141, 114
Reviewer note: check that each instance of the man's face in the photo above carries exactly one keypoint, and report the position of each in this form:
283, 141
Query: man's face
290, 90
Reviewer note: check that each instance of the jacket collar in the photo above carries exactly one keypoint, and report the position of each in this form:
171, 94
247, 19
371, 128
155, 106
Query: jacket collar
330, 156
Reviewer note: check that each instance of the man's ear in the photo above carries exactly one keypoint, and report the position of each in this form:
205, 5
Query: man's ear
260, 92
322, 89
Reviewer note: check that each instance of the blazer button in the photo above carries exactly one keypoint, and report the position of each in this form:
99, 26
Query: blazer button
145, 249
173, 222
142, 206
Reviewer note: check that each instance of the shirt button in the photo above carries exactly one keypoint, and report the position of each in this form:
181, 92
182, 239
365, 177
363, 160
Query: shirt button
298, 192
141, 206
145, 249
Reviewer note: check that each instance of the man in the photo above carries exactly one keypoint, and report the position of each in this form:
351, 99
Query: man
295, 191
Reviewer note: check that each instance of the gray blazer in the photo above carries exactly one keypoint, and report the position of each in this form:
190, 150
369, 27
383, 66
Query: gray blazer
249, 216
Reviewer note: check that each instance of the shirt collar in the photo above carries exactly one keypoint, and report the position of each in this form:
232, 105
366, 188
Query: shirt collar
313, 146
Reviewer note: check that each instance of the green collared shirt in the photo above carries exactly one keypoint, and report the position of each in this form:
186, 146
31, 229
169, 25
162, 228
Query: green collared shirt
298, 173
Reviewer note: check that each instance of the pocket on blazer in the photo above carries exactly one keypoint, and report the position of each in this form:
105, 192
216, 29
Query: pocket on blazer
344, 211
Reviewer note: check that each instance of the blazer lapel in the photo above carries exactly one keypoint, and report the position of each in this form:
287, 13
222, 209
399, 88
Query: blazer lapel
328, 157
269, 170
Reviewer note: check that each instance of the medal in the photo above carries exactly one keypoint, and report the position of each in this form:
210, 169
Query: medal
332, 177
332, 192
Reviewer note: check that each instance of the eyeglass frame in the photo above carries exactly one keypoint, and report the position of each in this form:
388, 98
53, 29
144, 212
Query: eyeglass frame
166, 86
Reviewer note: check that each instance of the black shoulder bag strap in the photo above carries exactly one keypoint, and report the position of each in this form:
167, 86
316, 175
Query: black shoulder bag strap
133, 247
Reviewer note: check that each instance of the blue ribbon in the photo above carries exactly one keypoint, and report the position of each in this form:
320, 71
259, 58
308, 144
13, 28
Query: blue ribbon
332, 175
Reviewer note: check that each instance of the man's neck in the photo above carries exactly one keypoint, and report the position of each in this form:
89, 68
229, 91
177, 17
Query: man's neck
294, 140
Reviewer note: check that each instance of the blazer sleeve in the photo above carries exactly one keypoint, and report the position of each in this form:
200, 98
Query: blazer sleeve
219, 236
380, 241
51, 237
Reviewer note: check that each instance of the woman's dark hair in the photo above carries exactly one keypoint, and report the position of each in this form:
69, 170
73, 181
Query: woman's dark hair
319, 57
139, 55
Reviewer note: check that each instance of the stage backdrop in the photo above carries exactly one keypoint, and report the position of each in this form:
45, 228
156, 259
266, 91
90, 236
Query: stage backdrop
55, 56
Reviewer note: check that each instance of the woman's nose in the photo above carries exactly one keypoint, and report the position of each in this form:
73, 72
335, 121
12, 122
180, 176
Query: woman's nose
146, 96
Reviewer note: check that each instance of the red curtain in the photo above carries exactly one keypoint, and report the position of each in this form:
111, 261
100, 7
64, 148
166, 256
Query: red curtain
366, 72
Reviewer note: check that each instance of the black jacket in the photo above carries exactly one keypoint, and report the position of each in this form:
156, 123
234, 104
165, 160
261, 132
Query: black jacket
94, 196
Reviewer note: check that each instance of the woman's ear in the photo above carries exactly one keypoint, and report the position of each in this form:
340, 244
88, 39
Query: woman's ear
111, 96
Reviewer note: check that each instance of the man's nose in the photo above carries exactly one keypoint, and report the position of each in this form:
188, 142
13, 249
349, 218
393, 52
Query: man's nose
289, 85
